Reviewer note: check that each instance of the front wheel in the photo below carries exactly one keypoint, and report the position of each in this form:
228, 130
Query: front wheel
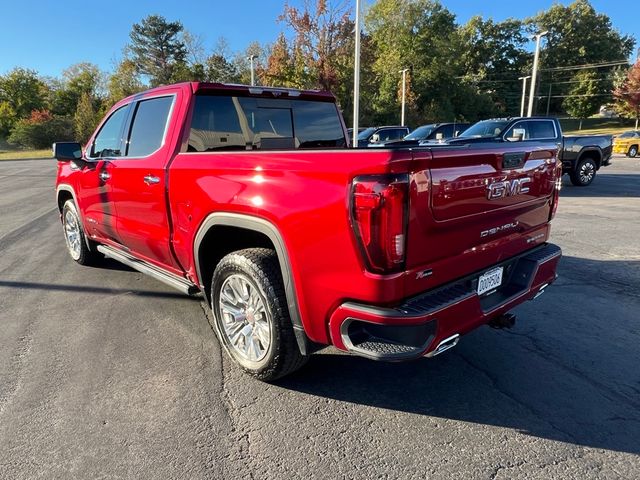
251, 315
75, 237
633, 151
584, 173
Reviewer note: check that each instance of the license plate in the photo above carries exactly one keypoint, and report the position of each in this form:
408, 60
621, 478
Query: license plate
490, 280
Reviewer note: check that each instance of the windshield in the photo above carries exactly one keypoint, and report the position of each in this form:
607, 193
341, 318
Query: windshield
420, 133
627, 135
365, 134
485, 128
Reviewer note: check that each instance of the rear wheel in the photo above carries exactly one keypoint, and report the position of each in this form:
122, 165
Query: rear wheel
633, 151
251, 315
584, 172
74, 236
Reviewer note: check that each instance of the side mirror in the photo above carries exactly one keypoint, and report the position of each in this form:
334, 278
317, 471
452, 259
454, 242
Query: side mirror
67, 151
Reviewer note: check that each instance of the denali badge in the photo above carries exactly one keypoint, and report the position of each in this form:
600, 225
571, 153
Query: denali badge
501, 228
507, 188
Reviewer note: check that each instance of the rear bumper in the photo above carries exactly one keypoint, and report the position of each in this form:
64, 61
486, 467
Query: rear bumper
432, 322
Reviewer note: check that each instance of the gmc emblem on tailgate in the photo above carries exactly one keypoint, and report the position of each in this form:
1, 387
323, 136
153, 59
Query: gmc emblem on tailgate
507, 188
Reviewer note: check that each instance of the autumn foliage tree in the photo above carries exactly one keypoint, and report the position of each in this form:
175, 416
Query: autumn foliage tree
627, 95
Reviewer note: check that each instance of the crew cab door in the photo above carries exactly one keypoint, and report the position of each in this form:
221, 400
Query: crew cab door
139, 181
94, 185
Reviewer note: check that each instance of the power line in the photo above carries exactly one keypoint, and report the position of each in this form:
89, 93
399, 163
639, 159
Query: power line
586, 66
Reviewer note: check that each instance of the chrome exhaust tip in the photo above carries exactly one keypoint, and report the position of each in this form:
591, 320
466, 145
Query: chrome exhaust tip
445, 345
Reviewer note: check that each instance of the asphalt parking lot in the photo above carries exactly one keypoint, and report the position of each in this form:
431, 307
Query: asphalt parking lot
106, 373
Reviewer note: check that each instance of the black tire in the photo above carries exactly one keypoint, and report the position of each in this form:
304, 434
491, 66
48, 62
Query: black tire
256, 272
77, 248
584, 173
633, 151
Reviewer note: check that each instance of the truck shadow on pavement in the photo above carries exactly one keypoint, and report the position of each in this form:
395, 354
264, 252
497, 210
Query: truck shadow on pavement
567, 372
604, 185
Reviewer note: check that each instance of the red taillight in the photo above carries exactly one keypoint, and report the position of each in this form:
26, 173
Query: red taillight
379, 207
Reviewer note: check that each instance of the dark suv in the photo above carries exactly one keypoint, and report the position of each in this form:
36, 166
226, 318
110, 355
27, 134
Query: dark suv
437, 131
381, 135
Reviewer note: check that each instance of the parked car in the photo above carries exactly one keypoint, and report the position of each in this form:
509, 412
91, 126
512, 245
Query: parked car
350, 133
250, 197
380, 135
437, 131
627, 143
581, 155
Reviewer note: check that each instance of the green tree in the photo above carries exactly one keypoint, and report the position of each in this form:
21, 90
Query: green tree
493, 56
157, 48
627, 93
85, 118
8, 119
124, 81
584, 97
417, 34
77, 80
219, 69
578, 35
23, 91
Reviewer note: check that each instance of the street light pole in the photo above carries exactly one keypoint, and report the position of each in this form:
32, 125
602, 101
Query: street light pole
404, 93
524, 93
253, 78
356, 79
534, 73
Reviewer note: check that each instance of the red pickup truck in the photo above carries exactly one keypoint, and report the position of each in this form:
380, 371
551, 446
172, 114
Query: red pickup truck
252, 197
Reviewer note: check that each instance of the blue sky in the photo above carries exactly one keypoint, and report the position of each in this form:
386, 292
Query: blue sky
50, 36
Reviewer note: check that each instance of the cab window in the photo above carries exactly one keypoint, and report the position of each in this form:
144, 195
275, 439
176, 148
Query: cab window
149, 124
108, 142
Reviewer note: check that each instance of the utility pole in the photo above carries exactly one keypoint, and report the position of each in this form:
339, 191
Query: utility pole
534, 73
524, 93
356, 79
404, 93
253, 78
549, 99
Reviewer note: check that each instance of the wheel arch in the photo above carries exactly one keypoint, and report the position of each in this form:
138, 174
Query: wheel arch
66, 192
590, 152
238, 231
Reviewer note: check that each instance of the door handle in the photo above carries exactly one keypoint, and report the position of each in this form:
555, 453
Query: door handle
151, 179
104, 176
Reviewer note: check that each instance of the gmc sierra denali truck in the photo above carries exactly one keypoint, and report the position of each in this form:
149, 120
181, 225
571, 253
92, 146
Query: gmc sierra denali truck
581, 155
250, 197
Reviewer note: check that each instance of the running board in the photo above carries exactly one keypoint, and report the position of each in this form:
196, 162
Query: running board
167, 278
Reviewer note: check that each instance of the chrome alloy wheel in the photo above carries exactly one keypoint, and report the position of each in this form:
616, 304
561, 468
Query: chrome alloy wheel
72, 234
587, 170
246, 322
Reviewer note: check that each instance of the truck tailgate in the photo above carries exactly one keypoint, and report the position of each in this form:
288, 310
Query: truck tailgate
466, 197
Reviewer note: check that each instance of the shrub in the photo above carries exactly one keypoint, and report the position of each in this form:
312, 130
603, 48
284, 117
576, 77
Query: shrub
41, 130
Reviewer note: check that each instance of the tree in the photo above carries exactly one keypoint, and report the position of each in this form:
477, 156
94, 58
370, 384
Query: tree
85, 118
417, 34
8, 119
157, 48
627, 94
40, 130
23, 91
578, 35
219, 69
322, 33
77, 80
124, 81
493, 56
584, 98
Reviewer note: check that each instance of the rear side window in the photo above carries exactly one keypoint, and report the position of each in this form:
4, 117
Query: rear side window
542, 129
149, 125
249, 123
108, 141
